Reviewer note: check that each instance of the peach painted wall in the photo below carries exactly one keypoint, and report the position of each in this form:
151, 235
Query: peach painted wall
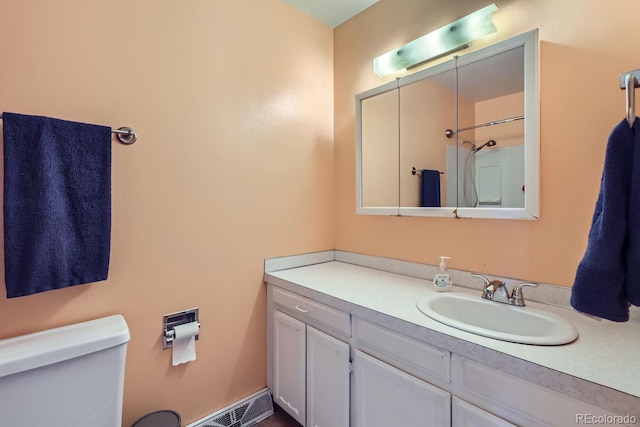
507, 134
584, 45
234, 164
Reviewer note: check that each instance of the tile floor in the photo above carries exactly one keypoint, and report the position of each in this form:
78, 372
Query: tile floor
278, 419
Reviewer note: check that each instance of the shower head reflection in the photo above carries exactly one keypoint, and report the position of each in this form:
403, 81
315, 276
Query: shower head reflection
489, 143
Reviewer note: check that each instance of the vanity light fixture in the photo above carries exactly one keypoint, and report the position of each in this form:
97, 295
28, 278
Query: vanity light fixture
454, 36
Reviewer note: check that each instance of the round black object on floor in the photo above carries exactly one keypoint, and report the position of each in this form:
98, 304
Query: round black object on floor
159, 419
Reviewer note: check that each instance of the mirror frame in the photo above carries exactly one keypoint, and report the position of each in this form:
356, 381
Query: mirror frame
360, 209
531, 210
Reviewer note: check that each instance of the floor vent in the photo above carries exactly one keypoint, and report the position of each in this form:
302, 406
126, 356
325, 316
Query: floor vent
244, 413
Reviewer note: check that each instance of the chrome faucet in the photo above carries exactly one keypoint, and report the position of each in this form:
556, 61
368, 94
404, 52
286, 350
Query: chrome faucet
496, 290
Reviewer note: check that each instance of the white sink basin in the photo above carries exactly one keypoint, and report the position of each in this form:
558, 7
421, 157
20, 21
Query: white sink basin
491, 319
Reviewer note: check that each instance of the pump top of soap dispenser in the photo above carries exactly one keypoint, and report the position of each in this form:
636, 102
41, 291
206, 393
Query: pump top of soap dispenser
443, 265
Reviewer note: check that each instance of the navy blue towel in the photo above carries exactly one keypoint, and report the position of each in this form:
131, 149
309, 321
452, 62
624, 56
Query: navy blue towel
430, 189
57, 203
603, 278
632, 281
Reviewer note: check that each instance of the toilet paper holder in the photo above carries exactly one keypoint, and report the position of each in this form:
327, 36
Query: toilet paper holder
171, 320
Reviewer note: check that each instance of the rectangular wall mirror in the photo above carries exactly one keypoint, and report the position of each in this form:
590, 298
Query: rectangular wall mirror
460, 139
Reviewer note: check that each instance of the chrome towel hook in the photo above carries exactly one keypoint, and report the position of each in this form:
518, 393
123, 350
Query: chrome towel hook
629, 81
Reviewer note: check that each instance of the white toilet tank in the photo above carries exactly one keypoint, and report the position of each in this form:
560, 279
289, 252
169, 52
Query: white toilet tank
71, 376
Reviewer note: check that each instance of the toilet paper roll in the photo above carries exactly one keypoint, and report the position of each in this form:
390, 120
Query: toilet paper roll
184, 343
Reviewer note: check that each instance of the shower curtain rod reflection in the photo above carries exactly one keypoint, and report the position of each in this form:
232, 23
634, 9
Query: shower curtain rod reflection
450, 132
125, 135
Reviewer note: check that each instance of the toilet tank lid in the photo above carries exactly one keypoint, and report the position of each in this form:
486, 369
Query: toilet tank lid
42, 348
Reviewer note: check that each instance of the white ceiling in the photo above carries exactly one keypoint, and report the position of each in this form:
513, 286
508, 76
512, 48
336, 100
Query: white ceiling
331, 12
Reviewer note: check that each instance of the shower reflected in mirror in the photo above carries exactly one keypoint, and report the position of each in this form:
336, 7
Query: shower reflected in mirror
469, 189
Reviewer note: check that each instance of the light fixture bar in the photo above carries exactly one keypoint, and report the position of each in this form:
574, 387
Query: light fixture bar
454, 36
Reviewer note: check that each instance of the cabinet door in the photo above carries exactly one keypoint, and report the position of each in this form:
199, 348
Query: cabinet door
327, 380
386, 396
467, 415
289, 365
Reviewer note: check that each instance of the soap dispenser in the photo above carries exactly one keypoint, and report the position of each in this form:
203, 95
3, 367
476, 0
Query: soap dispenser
442, 279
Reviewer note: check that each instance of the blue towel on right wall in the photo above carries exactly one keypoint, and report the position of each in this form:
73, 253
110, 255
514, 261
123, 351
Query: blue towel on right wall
608, 277
632, 281
57, 203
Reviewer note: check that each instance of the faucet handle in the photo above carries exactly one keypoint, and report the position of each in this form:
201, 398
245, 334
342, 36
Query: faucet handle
480, 276
516, 294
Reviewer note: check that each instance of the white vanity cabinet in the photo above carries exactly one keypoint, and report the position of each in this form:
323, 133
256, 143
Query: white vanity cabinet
310, 367
289, 389
327, 380
399, 374
385, 396
522, 402
400, 380
394, 379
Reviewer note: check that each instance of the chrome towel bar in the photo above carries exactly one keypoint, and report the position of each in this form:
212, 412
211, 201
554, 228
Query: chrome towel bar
125, 135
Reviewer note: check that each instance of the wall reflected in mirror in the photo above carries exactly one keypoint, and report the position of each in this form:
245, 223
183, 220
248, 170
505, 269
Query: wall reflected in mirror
424, 106
380, 155
491, 172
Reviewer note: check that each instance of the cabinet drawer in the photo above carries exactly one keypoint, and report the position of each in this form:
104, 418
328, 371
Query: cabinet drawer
313, 312
413, 356
467, 415
521, 402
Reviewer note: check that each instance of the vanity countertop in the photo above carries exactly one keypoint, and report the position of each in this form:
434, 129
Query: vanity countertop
601, 367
